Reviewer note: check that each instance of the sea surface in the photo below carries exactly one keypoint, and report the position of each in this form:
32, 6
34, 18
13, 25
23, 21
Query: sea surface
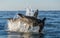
51, 28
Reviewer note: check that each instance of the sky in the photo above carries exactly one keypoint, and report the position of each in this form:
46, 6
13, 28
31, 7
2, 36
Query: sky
33, 4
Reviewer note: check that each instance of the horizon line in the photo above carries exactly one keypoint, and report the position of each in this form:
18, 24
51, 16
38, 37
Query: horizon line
32, 9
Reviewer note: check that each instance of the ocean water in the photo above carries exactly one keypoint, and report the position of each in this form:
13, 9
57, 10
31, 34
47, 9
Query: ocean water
51, 28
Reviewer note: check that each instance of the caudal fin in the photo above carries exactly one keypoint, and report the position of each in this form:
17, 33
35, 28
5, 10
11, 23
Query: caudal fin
36, 13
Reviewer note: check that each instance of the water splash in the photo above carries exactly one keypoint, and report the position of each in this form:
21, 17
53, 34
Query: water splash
19, 26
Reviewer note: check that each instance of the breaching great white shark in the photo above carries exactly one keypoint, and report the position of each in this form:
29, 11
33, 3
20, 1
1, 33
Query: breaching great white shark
26, 23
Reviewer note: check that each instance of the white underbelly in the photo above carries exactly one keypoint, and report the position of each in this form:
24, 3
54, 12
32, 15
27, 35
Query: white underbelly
21, 27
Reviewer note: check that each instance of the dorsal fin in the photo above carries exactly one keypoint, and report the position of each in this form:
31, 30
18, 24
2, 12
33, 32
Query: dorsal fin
21, 15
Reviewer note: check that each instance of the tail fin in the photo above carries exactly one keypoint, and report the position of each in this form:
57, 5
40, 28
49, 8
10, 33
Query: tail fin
36, 13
